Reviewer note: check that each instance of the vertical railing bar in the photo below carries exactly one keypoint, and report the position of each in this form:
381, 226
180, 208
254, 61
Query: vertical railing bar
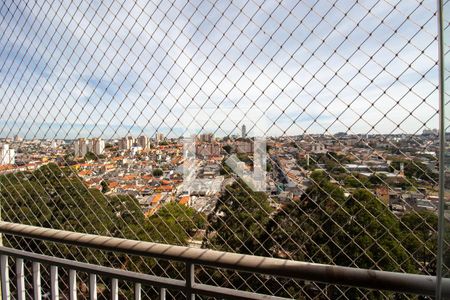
93, 286
37, 281
5, 277
72, 285
442, 130
20, 279
189, 281
54, 283
162, 294
114, 289
137, 291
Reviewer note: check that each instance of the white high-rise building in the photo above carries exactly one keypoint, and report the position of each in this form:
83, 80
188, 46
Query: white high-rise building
7, 155
159, 137
81, 147
126, 143
97, 146
143, 142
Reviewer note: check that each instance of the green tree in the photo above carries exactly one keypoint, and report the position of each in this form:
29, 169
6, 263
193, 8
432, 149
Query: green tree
238, 224
420, 235
56, 197
327, 227
187, 218
105, 187
377, 178
90, 156
415, 169
239, 220
356, 181
157, 172
227, 148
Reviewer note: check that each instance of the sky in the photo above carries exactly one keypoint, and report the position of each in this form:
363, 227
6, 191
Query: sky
72, 69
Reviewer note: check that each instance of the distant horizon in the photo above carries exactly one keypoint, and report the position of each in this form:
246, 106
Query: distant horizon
249, 135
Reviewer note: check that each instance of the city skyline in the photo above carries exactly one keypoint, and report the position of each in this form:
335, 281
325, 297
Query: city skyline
153, 136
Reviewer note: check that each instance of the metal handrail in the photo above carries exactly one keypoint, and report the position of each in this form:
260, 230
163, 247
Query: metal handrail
331, 274
139, 278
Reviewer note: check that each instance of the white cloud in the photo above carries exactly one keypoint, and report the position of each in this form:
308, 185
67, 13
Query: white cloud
104, 67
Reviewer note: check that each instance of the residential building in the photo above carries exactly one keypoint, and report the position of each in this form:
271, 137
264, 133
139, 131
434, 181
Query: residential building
126, 143
206, 137
97, 146
7, 155
159, 137
205, 150
143, 142
81, 147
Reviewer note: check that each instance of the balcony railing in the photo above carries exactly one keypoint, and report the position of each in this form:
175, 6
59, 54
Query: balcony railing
191, 257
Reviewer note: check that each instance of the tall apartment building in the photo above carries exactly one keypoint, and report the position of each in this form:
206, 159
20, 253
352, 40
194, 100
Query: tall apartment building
207, 150
159, 137
244, 131
7, 155
143, 142
83, 146
126, 143
97, 146
206, 137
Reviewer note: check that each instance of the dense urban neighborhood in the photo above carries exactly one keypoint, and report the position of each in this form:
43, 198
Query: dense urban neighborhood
401, 170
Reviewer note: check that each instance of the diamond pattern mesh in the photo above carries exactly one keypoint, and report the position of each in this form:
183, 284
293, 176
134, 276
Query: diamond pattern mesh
96, 98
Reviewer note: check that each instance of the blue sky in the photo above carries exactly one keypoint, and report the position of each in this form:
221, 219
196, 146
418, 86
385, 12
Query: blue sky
91, 68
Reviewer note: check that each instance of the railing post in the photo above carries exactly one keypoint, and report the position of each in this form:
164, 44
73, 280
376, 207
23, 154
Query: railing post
442, 49
5, 277
20, 279
37, 281
73, 285
114, 289
137, 291
92, 286
189, 281
54, 283
162, 294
